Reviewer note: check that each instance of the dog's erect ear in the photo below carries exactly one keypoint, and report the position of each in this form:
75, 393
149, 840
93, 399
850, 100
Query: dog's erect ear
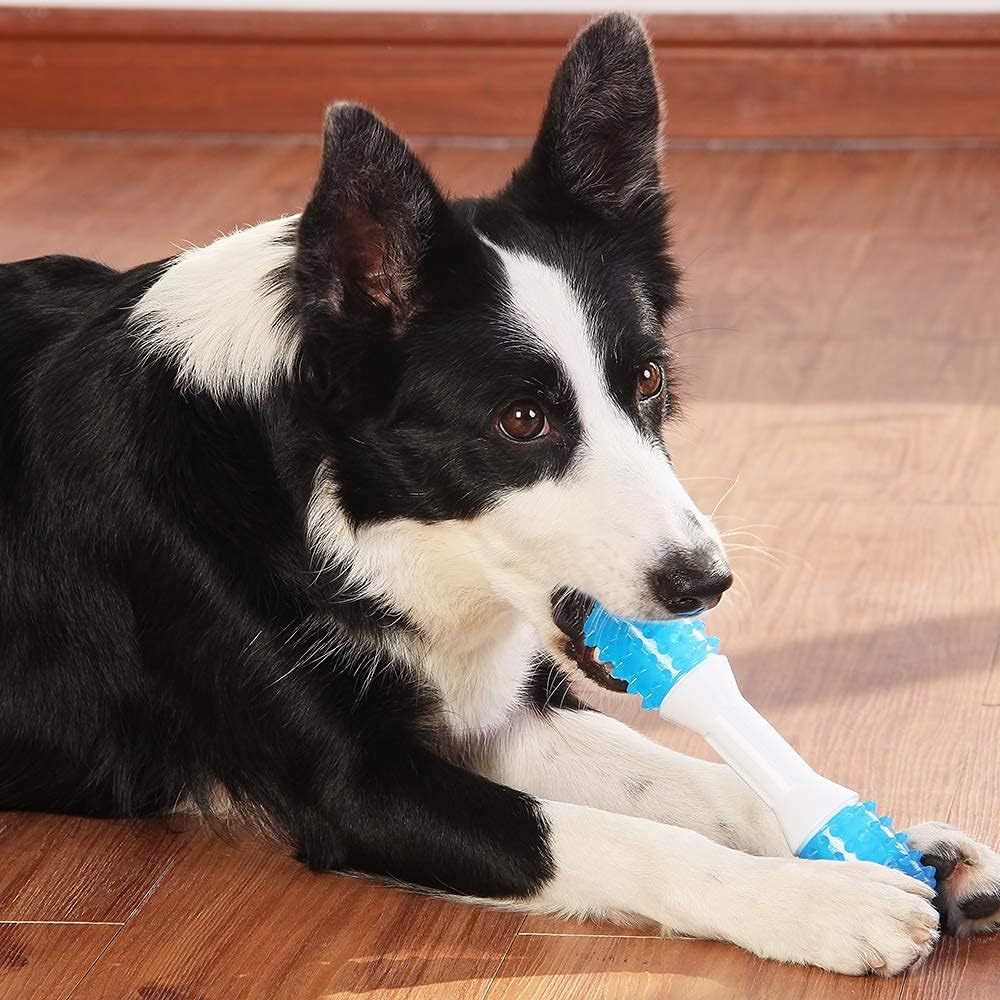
599, 137
371, 220
362, 245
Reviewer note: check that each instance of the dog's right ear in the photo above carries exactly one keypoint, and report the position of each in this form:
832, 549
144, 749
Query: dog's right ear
363, 242
598, 144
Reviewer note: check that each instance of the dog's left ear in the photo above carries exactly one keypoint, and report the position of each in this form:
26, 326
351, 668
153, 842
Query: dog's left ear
599, 138
369, 224
364, 245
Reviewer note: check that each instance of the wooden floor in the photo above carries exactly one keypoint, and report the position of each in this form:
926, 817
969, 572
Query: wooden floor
842, 338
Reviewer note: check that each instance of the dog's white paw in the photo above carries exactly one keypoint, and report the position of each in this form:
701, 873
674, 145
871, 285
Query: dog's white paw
968, 878
849, 917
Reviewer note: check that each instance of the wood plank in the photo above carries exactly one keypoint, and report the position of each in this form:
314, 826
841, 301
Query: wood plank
430, 951
442, 75
587, 928
46, 961
991, 696
800, 983
857, 449
861, 330
960, 970
548, 965
556, 967
975, 807
69, 869
163, 197
967, 970
931, 454
241, 921
855, 653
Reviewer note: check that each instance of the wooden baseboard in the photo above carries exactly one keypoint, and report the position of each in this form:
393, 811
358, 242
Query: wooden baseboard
727, 76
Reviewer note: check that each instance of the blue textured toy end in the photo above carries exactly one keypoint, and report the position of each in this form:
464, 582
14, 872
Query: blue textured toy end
858, 833
649, 656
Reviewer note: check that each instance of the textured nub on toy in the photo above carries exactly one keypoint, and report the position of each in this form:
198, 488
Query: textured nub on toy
858, 833
651, 657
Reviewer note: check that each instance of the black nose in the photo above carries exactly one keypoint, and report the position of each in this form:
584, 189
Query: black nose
689, 585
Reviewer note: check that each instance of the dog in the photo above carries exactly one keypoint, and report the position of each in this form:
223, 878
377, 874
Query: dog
306, 521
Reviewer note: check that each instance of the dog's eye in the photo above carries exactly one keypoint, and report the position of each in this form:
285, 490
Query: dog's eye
524, 420
649, 380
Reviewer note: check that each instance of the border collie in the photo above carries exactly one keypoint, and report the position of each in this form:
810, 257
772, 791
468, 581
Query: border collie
306, 520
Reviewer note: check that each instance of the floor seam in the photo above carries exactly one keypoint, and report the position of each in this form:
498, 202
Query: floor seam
503, 957
90, 968
615, 937
66, 923
121, 927
992, 670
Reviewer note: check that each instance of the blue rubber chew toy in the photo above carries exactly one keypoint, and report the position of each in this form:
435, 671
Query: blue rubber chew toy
676, 668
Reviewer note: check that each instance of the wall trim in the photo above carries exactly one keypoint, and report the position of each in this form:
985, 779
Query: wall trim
485, 75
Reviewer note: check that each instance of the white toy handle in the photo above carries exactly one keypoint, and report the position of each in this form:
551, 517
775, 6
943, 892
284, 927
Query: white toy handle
707, 700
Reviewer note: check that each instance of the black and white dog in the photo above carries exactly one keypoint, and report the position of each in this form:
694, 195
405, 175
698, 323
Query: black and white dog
306, 521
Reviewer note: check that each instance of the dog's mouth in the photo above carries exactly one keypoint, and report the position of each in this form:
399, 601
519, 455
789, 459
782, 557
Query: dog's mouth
570, 609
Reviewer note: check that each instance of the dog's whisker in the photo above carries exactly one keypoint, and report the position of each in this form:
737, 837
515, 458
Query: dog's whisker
756, 550
722, 499
744, 527
778, 554
737, 533
698, 479
744, 605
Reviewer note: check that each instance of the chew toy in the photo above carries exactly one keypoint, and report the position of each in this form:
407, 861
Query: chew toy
676, 668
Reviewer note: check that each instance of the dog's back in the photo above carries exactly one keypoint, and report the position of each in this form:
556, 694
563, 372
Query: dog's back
58, 614
40, 300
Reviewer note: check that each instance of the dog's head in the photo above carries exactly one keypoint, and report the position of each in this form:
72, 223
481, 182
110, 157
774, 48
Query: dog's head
489, 375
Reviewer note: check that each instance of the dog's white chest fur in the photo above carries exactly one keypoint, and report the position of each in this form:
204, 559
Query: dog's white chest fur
481, 674
473, 647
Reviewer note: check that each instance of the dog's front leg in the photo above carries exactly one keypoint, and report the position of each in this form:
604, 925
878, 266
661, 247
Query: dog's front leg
588, 758
585, 757
420, 819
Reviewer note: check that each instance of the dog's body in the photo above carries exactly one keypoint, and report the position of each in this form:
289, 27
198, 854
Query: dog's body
306, 518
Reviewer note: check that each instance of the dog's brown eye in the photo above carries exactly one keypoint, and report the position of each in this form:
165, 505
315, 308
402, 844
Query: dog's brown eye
649, 380
523, 421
